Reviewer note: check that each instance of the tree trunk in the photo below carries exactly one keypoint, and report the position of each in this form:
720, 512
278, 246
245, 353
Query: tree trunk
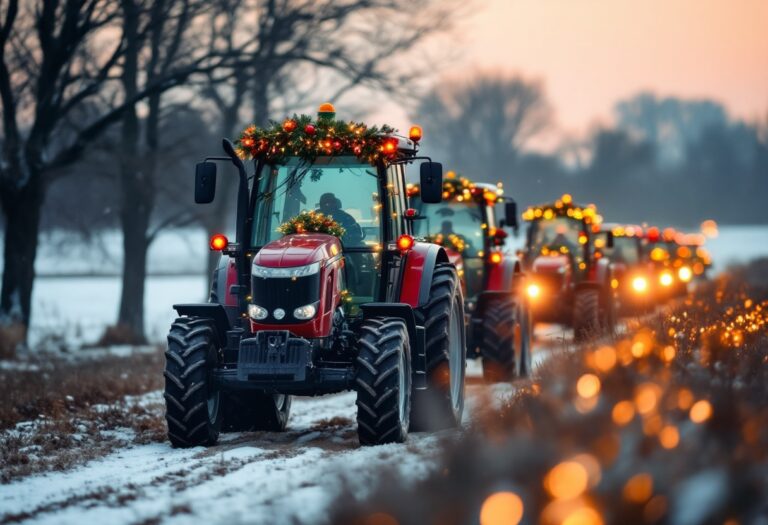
135, 191
22, 209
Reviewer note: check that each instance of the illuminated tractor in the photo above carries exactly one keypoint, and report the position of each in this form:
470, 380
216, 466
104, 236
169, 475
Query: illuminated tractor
567, 280
672, 270
633, 278
694, 256
323, 289
465, 223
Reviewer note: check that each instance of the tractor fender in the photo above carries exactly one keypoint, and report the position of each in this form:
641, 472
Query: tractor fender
603, 271
416, 335
503, 277
418, 267
224, 276
212, 311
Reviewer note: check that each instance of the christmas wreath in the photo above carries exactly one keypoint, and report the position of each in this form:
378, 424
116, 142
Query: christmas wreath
307, 138
311, 222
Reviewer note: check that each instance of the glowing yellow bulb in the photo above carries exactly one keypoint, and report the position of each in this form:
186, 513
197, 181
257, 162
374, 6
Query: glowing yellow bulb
533, 291
666, 279
685, 274
640, 284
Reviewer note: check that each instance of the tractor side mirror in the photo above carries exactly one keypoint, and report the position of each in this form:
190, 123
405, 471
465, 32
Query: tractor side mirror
510, 215
431, 181
609, 240
205, 182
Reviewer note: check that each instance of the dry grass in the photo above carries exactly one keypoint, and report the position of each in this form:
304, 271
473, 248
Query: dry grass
666, 426
62, 413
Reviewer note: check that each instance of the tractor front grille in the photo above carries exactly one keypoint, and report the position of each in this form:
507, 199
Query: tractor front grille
285, 293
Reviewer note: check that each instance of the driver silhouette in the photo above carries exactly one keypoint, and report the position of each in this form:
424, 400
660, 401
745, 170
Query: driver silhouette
330, 205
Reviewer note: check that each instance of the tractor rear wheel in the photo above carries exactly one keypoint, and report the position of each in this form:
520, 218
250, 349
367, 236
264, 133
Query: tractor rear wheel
586, 314
247, 411
442, 403
193, 404
501, 323
383, 382
506, 341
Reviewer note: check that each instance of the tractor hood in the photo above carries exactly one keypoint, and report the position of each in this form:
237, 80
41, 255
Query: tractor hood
298, 250
550, 264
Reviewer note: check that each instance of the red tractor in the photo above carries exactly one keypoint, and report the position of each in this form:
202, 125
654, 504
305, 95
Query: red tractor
664, 253
324, 289
466, 225
568, 281
633, 275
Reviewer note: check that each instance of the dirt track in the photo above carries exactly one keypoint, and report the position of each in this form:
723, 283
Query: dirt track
254, 477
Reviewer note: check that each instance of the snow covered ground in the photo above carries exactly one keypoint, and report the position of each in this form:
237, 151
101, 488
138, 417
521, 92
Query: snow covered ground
249, 477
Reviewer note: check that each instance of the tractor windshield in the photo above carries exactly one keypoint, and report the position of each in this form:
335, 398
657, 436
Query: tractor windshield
341, 187
625, 250
455, 225
556, 233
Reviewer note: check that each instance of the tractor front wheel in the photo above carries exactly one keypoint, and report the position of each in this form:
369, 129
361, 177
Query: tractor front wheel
506, 341
442, 403
383, 382
193, 405
586, 314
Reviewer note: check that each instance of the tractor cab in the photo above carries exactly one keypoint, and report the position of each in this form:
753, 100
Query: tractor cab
569, 279
324, 289
465, 223
633, 276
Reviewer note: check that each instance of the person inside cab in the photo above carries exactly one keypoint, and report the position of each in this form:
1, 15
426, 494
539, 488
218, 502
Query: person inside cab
330, 205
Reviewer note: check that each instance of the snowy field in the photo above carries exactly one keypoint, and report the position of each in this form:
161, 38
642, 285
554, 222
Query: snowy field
78, 307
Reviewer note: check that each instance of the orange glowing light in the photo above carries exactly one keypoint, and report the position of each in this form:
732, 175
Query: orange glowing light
588, 385
647, 397
501, 508
669, 437
623, 412
567, 480
583, 516
405, 242
326, 107
495, 257
604, 358
639, 488
415, 133
701, 411
219, 242
668, 353
684, 399
389, 146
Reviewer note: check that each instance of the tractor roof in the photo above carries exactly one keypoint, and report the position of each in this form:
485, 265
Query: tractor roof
565, 207
461, 189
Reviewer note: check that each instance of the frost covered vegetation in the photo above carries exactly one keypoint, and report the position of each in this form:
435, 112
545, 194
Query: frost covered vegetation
664, 426
56, 413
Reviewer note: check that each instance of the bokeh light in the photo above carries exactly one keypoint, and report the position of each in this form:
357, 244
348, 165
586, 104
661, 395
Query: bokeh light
501, 508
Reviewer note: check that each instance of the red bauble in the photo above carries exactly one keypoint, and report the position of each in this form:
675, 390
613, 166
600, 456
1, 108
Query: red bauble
309, 129
337, 145
289, 125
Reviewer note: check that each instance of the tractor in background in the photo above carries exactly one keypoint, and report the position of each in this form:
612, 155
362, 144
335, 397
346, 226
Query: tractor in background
323, 289
467, 226
568, 280
633, 275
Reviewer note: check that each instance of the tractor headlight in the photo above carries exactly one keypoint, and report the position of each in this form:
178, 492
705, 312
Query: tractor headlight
685, 274
666, 279
296, 271
533, 290
305, 312
640, 284
256, 312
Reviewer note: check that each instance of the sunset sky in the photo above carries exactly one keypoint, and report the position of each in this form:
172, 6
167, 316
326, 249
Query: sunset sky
591, 53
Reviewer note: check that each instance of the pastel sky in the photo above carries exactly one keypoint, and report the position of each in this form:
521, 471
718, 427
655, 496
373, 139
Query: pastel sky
591, 53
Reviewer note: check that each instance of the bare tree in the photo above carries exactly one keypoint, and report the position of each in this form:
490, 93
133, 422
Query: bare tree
300, 53
481, 125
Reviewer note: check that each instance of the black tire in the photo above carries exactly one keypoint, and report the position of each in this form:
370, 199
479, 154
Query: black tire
193, 406
500, 322
608, 311
586, 314
383, 382
251, 411
526, 342
442, 403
